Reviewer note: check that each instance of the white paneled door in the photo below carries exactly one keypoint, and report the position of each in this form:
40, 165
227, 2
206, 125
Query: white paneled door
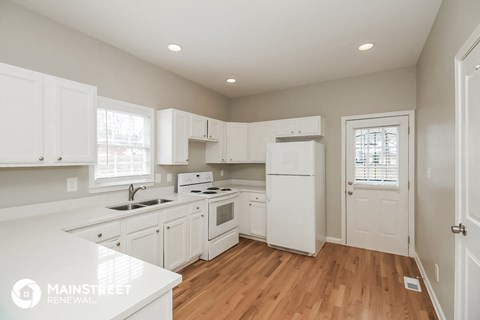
467, 228
377, 184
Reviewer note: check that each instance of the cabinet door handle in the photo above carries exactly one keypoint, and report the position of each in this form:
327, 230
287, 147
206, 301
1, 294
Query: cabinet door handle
292, 132
168, 228
157, 231
99, 235
59, 158
41, 158
198, 208
203, 215
250, 204
205, 135
186, 160
117, 244
299, 131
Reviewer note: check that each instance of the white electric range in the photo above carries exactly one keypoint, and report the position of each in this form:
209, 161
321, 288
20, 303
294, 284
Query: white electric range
223, 211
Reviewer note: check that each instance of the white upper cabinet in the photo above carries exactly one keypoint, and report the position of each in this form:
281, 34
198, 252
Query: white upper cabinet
215, 129
21, 121
216, 152
74, 113
45, 120
172, 139
198, 127
259, 135
237, 142
299, 127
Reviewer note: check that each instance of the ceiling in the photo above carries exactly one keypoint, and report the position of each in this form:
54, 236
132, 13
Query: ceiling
266, 45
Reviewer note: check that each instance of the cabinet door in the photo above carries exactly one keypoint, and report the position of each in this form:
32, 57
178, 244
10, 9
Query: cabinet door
21, 120
284, 128
196, 234
198, 129
175, 241
145, 245
259, 135
180, 137
244, 212
237, 137
214, 130
307, 126
217, 152
74, 113
258, 219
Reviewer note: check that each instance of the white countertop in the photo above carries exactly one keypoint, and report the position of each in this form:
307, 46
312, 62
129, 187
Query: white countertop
247, 188
37, 248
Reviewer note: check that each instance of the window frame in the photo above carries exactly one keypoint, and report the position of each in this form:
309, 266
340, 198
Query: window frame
119, 183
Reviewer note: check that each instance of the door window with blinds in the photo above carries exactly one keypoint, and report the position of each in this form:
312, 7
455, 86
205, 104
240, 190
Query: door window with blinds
376, 156
124, 144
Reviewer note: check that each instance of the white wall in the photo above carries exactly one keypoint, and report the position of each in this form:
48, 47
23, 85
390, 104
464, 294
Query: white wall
32, 41
435, 199
392, 90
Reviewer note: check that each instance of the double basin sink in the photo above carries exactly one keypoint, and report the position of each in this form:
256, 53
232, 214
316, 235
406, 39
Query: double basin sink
138, 205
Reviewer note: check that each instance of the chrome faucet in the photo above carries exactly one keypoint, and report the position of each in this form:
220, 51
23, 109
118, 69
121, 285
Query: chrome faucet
132, 190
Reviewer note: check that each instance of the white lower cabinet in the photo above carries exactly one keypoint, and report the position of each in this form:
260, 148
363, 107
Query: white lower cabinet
176, 243
115, 244
253, 218
196, 234
146, 245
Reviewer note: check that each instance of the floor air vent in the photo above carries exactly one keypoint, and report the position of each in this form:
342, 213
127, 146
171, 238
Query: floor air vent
412, 284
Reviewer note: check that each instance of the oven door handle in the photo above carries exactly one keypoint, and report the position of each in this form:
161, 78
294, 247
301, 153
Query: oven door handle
223, 198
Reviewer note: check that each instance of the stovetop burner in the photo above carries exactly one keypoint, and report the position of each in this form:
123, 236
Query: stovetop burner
213, 188
226, 189
210, 192
196, 191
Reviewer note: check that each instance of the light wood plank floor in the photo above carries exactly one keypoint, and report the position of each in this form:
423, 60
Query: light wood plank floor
253, 281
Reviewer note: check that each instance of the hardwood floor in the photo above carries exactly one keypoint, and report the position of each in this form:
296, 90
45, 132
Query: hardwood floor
253, 281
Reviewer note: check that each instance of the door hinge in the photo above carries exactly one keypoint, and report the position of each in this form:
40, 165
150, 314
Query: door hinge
408, 129
408, 240
409, 185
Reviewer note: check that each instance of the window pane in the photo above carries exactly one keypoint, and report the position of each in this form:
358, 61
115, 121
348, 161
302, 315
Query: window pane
376, 155
123, 145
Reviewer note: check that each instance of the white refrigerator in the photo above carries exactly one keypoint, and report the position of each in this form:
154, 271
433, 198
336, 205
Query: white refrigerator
296, 196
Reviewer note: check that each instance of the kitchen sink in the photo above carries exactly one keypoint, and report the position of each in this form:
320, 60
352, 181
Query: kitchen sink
127, 207
154, 202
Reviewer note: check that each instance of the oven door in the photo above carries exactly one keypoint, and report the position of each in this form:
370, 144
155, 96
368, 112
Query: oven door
223, 215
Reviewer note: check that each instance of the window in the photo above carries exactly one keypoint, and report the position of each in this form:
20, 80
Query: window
376, 155
124, 144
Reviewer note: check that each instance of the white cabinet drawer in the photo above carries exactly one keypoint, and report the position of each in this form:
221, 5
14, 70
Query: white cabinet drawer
99, 233
257, 197
142, 222
175, 213
196, 207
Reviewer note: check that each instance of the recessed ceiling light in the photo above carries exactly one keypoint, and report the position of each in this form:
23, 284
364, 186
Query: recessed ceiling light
365, 46
174, 47
231, 80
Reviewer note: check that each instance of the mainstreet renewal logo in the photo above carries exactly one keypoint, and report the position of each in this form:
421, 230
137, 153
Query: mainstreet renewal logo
26, 293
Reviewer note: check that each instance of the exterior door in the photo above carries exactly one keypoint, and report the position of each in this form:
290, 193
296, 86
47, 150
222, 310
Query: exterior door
467, 240
377, 184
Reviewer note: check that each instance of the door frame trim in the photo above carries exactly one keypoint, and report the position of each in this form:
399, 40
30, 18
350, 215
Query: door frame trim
472, 41
411, 171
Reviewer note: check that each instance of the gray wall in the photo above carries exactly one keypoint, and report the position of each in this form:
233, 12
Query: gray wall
379, 92
31, 41
435, 200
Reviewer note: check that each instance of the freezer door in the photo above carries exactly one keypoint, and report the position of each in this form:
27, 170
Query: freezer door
293, 158
291, 212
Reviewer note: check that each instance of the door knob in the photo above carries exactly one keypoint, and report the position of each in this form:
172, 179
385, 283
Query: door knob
350, 193
459, 229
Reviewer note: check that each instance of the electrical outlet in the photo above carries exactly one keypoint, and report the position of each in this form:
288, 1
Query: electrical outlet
437, 273
429, 173
72, 184
169, 177
221, 173
158, 178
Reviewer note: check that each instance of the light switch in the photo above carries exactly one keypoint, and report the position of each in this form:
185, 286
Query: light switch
221, 173
72, 184
169, 177
158, 178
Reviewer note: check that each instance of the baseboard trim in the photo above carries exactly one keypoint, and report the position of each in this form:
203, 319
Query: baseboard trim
431, 293
334, 240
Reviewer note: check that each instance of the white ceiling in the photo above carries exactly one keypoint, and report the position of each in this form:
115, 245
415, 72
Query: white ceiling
266, 45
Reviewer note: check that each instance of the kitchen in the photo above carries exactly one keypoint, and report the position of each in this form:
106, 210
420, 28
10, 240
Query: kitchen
47, 41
